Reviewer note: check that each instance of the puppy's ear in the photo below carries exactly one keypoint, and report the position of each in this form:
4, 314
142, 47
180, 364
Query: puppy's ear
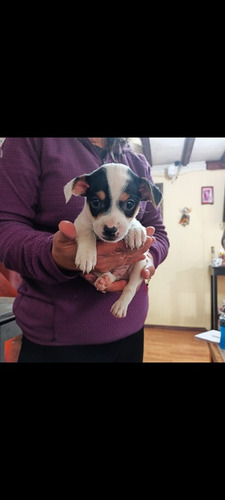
150, 192
76, 187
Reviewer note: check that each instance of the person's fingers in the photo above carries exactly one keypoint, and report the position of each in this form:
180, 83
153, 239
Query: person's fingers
147, 273
64, 246
149, 270
120, 246
67, 230
117, 286
150, 230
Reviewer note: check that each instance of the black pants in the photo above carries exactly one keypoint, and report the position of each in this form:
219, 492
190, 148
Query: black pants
128, 350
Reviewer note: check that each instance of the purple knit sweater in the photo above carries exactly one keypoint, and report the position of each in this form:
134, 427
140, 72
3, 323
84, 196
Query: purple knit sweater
53, 307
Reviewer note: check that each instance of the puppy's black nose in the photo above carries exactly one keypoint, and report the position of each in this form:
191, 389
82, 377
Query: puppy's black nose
110, 231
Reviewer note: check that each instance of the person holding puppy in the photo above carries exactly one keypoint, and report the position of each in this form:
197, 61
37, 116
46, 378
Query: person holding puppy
61, 314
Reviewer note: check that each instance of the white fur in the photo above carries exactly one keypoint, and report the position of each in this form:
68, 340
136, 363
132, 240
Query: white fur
131, 230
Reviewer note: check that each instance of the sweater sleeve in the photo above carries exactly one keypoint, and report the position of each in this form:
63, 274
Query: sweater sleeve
160, 249
151, 216
23, 248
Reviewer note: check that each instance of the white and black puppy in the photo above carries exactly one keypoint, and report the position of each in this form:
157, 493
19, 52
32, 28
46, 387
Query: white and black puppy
113, 193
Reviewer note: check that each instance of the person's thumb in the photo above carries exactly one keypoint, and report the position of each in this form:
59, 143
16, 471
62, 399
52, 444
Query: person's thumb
67, 230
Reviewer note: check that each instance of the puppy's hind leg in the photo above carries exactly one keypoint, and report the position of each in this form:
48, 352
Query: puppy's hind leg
119, 308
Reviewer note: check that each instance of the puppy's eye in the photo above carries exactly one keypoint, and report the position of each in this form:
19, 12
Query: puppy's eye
129, 205
95, 202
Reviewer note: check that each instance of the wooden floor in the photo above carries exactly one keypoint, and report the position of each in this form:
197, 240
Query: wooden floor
162, 345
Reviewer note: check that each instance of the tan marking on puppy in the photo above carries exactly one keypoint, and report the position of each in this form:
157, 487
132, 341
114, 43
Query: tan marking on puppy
124, 197
101, 195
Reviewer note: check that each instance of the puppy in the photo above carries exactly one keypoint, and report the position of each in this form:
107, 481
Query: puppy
113, 193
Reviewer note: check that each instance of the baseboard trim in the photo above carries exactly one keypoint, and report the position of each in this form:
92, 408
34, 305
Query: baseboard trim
179, 328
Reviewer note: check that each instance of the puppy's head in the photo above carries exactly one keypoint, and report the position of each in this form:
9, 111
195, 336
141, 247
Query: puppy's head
113, 193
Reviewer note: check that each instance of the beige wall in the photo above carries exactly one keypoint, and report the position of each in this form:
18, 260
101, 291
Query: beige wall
179, 293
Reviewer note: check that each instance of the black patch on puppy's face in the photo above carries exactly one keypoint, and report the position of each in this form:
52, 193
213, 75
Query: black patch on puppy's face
131, 197
98, 193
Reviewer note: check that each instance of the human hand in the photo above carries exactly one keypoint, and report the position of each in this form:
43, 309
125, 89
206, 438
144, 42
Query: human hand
109, 255
64, 247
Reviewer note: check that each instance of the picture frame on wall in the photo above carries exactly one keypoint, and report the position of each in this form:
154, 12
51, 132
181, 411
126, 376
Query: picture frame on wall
207, 195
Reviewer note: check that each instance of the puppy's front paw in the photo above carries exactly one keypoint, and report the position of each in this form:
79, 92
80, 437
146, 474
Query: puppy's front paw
136, 237
85, 259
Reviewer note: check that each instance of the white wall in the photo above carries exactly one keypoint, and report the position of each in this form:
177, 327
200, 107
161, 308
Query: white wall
179, 292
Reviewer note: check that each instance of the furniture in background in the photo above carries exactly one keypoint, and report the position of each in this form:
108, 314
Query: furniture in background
217, 354
214, 273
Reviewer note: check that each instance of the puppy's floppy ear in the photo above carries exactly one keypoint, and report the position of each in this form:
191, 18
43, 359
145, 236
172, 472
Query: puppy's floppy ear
150, 192
76, 187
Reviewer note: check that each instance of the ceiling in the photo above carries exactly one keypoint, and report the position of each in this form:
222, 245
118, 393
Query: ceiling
184, 150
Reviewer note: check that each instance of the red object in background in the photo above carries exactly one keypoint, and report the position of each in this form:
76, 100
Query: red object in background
9, 281
6, 289
12, 277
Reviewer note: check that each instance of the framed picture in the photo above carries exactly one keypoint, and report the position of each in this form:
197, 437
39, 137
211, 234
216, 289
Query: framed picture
207, 195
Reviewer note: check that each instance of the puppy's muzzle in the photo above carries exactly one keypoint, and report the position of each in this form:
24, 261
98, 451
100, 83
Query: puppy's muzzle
110, 232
